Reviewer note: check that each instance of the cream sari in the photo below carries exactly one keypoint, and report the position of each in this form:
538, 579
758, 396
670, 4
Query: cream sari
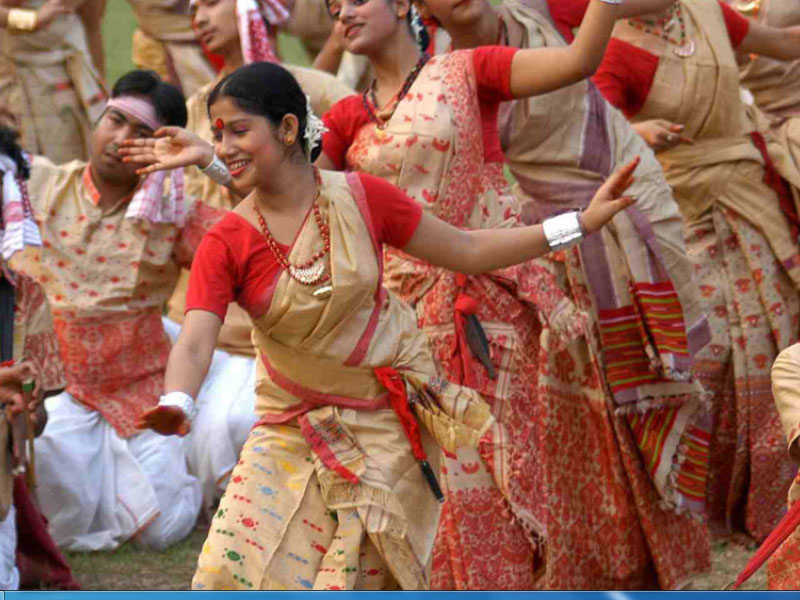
327, 493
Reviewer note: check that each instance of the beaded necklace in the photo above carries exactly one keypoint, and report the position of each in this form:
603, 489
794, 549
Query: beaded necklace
369, 94
311, 272
663, 25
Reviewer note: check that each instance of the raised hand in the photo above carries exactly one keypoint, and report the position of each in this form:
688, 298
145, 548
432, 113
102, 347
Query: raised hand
610, 198
169, 148
166, 420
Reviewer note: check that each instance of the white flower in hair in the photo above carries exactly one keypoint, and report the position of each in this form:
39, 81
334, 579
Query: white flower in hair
416, 24
314, 128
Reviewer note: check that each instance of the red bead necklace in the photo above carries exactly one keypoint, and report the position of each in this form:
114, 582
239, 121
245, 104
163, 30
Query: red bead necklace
312, 271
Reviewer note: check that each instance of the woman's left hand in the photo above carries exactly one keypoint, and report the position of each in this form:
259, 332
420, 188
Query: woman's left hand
610, 198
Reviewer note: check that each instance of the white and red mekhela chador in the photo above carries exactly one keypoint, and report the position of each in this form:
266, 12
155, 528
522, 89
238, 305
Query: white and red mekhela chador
440, 146
643, 461
741, 228
328, 492
107, 274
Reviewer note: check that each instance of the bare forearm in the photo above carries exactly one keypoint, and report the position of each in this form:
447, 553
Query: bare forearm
772, 42
541, 70
188, 366
330, 56
635, 8
491, 249
91, 14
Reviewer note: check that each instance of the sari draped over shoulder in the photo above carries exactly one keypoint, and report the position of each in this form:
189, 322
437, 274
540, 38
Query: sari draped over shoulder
328, 492
52, 86
736, 186
432, 148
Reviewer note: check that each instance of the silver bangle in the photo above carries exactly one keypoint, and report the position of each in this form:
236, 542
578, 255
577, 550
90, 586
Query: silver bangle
562, 231
612, 1
217, 171
180, 400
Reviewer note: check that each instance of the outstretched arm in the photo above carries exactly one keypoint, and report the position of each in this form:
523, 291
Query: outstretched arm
537, 71
782, 43
187, 367
473, 252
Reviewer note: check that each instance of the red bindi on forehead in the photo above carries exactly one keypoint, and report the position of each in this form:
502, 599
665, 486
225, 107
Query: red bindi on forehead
219, 124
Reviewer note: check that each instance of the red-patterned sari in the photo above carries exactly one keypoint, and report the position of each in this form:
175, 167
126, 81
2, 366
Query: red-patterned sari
432, 148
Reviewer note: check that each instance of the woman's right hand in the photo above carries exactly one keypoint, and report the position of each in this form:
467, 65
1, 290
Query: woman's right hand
661, 135
166, 420
169, 148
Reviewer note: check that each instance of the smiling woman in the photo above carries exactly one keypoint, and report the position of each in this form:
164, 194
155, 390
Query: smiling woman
350, 404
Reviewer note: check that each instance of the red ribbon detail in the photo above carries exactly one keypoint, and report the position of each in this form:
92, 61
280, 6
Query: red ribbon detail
464, 305
398, 397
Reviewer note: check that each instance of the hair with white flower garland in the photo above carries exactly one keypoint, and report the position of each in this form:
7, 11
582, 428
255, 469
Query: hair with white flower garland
314, 129
417, 26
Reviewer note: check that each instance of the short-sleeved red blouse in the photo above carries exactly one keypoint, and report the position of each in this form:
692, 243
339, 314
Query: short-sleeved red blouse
493, 77
627, 72
234, 262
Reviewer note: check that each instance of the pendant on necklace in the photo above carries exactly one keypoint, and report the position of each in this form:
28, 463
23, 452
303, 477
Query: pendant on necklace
308, 275
324, 292
380, 133
686, 50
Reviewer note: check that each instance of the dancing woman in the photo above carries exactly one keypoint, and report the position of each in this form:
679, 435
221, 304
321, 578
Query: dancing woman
741, 227
238, 31
335, 487
429, 125
634, 280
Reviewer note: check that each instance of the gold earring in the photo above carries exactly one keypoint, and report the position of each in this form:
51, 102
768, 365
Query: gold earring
288, 140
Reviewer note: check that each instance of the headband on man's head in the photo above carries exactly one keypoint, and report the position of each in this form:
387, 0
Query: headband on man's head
138, 108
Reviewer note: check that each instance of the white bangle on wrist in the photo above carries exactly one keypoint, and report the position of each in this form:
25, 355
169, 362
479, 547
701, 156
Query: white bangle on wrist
563, 231
217, 171
612, 1
180, 400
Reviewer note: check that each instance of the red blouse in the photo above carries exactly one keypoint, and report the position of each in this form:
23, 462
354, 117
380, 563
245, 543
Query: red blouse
493, 77
234, 262
627, 72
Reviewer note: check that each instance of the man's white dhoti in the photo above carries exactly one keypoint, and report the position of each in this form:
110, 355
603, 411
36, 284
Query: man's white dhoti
226, 414
9, 574
98, 490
